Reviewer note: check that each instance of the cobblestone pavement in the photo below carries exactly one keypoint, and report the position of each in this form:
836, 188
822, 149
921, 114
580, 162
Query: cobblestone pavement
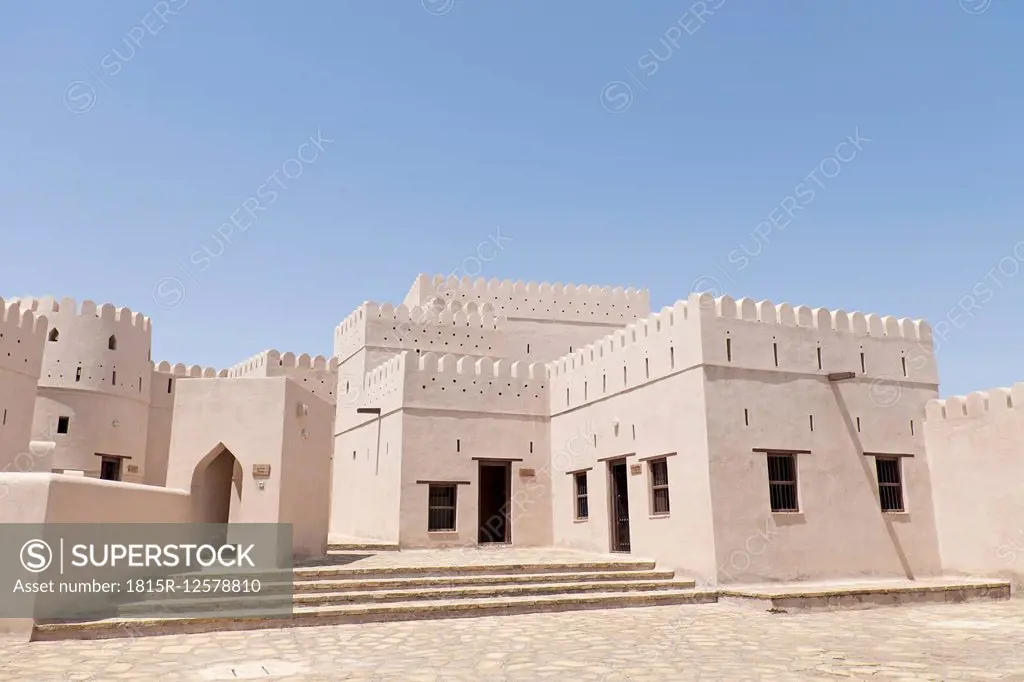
709, 642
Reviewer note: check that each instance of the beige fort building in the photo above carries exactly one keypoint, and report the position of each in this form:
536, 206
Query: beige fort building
736, 441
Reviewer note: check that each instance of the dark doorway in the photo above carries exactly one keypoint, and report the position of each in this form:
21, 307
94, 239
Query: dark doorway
619, 489
110, 468
495, 498
216, 487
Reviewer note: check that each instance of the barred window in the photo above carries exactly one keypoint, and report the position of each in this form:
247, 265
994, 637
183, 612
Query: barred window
659, 486
441, 507
782, 483
890, 483
582, 508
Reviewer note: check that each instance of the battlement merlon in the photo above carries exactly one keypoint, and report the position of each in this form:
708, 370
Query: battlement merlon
976, 404
22, 338
746, 335
533, 300
22, 319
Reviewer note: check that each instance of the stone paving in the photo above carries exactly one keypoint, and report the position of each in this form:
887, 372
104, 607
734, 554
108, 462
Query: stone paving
983, 641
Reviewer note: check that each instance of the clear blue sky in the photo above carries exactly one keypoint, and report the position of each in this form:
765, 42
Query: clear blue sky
124, 151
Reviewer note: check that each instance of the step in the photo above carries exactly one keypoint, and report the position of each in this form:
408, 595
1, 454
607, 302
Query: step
359, 547
333, 585
796, 597
370, 613
348, 571
242, 603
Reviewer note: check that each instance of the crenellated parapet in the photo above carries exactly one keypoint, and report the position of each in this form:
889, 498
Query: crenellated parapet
786, 315
466, 328
975, 405
764, 336
476, 384
92, 347
189, 371
316, 373
533, 300
22, 338
643, 352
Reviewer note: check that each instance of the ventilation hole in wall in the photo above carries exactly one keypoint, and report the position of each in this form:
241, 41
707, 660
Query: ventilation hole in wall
584, 390
812, 422
624, 381
746, 417
819, 357
903, 361
775, 351
858, 424
595, 440
113, 378
458, 445
604, 383
634, 431
672, 358
647, 367
54, 335
112, 343
353, 454
527, 349
911, 427
567, 397
5, 417
728, 349
78, 374
169, 385
140, 384
531, 447
863, 364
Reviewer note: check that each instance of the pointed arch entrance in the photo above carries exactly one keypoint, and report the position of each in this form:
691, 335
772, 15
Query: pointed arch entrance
216, 487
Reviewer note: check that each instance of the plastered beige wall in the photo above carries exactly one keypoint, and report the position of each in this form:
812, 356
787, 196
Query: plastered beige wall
366, 479
440, 446
839, 530
664, 416
59, 498
975, 445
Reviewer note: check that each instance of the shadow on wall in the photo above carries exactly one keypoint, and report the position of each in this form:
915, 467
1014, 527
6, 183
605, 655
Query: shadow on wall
865, 463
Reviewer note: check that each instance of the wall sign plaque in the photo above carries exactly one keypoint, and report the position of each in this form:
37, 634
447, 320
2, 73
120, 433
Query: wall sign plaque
261, 471
636, 469
527, 473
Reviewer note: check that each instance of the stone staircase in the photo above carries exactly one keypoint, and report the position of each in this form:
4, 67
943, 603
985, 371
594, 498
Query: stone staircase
347, 591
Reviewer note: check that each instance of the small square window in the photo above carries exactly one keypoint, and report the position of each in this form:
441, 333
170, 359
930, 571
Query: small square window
582, 506
659, 486
62, 424
782, 483
441, 507
890, 484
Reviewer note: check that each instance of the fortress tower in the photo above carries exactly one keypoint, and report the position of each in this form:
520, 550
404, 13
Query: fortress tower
94, 388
